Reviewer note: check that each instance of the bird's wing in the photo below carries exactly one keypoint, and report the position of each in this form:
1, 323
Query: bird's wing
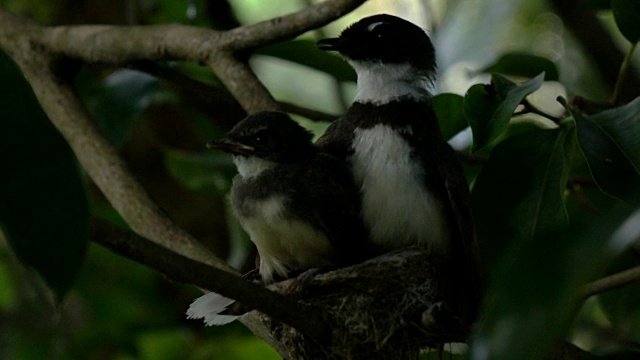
336, 140
337, 207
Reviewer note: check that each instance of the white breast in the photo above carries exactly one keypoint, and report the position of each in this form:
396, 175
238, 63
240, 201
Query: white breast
284, 244
397, 208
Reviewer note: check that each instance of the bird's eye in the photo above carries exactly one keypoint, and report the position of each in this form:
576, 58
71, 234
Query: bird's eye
260, 139
377, 29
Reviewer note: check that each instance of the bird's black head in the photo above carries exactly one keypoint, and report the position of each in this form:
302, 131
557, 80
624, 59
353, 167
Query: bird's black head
268, 135
387, 39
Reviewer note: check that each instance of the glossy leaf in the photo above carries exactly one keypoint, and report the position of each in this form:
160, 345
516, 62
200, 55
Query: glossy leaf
519, 192
610, 141
119, 99
536, 291
306, 53
209, 173
43, 210
627, 16
450, 111
523, 64
489, 108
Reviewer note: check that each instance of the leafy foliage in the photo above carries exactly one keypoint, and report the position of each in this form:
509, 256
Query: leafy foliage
626, 14
525, 65
488, 108
538, 187
515, 206
450, 111
610, 141
43, 209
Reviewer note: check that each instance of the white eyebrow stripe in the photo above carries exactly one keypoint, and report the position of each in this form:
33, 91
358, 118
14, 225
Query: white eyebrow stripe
373, 26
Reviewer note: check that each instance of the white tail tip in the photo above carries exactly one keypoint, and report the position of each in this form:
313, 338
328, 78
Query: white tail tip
208, 307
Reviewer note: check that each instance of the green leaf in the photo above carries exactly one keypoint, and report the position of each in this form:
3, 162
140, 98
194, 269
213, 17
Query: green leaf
119, 99
164, 344
598, 4
209, 173
523, 64
519, 192
306, 53
627, 16
43, 209
450, 111
610, 141
536, 291
490, 107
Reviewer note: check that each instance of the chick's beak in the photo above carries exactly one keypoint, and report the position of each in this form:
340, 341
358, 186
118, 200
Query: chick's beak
330, 44
230, 146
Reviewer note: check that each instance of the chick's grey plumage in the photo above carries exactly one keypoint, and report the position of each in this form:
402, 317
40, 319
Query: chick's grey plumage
412, 187
297, 204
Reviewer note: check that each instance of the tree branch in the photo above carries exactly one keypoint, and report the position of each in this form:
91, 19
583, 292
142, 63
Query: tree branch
47, 57
611, 282
288, 26
222, 51
182, 269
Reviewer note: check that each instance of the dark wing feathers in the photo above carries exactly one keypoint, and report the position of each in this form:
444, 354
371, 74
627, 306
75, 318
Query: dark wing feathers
329, 189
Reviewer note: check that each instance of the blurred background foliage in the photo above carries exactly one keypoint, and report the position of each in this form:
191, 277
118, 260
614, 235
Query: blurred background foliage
547, 226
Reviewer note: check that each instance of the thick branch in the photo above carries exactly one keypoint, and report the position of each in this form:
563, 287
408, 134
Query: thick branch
32, 47
289, 26
119, 45
243, 83
185, 270
43, 54
103, 164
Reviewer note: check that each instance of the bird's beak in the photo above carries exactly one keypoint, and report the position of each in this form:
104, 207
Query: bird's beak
231, 146
330, 44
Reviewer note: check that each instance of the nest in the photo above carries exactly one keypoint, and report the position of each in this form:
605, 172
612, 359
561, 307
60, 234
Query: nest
387, 308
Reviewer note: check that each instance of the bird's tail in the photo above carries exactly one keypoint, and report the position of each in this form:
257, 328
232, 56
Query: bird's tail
211, 307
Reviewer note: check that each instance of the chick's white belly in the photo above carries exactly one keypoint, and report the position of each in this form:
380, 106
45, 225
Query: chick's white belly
397, 207
284, 244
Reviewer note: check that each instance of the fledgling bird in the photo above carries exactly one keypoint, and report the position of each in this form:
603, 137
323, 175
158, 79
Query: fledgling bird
298, 205
412, 187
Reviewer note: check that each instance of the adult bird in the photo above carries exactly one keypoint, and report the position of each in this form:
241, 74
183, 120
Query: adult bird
412, 187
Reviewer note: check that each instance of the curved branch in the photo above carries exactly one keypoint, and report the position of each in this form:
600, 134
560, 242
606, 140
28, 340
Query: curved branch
611, 282
44, 54
107, 170
35, 48
119, 45
289, 26
182, 269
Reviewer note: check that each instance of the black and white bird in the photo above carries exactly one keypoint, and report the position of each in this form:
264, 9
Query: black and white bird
412, 187
298, 205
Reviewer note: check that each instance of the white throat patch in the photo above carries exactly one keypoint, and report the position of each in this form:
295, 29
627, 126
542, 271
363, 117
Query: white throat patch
380, 83
397, 208
251, 166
